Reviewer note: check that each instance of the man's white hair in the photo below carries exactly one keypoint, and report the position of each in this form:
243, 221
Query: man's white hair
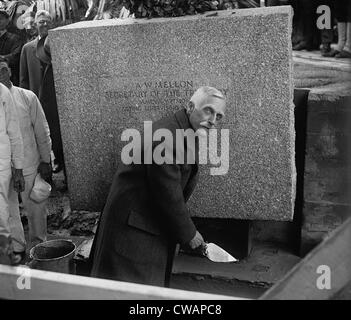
203, 92
42, 13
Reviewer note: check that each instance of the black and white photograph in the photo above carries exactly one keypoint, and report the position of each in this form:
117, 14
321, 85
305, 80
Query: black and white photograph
178, 157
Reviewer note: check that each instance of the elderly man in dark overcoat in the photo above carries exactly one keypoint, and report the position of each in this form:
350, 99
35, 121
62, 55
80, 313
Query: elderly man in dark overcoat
145, 215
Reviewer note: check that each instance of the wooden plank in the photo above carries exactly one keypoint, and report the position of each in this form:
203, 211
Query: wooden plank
344, 293
301, 282
51, 285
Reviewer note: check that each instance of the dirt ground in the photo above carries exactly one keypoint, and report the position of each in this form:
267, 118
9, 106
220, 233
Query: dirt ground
61, 220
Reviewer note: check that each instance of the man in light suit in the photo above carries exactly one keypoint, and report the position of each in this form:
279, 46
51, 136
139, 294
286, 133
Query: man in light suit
11, 176
37, 146
145, 215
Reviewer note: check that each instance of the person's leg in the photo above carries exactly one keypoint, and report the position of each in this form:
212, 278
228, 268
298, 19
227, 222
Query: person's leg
310, 31
327, 35
341, 36
346, 50
347, 46
297, 32
172, 252
341, 17
17, 233
327, 39
344, 45
5, 179
339, 8
7, 255
36, 213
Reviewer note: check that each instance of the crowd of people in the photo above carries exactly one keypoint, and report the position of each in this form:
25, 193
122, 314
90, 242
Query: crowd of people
308, 36
29, 132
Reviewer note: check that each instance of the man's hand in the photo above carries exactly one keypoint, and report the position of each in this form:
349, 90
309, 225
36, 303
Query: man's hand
18, 180
197, 241
45, 171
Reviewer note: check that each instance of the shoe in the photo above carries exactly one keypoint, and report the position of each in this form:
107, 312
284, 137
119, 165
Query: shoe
343, 54
330, 53
300, 46
304, 45
325, 48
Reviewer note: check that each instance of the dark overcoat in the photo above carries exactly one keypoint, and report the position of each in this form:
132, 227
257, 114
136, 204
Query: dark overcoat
31, 70
10, 48
145, 216
38, 77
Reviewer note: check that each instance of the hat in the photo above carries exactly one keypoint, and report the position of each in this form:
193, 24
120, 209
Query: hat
43, 50
4, 13
27, 18
41, 189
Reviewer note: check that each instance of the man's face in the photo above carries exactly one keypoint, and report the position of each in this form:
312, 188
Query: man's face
43, 25
207, 113
4, 21
5, 73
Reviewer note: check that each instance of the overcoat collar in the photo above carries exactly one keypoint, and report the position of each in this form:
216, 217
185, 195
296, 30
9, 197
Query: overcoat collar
183, 119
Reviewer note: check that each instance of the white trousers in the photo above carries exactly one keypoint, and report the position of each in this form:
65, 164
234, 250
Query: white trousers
36, 212
10, 220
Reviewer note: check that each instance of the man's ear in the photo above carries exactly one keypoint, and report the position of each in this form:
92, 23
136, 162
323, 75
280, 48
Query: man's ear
190, 107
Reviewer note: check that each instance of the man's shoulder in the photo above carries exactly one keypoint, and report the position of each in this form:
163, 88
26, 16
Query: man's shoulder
4, 90
30, 95
5, 95
27, 92
168, 122
30, 44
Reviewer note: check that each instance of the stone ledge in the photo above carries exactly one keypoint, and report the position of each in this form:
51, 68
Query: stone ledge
267, 263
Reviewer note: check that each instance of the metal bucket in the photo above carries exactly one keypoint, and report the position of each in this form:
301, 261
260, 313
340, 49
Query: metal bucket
54, 255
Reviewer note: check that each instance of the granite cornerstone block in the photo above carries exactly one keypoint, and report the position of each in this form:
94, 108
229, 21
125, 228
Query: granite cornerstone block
111, 75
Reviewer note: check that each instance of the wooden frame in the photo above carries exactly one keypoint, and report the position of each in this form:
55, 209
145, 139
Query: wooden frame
31, 284
301, 282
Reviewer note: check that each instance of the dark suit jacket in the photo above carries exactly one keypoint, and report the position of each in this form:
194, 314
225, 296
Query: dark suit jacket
31, 70
145, 216
10, 47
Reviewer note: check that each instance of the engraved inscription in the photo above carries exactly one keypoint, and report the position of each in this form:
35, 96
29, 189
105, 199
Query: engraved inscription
147, 95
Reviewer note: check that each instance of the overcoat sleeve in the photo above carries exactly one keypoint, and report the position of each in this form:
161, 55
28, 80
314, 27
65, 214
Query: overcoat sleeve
41, 128
165, 187
24, 76
15, 50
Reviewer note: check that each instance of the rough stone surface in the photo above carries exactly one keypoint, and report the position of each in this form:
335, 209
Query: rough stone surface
111, 75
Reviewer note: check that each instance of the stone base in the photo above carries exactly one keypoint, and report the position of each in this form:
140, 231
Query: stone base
234, 236
327, 180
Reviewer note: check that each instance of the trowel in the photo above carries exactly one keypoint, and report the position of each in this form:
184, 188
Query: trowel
216, 254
